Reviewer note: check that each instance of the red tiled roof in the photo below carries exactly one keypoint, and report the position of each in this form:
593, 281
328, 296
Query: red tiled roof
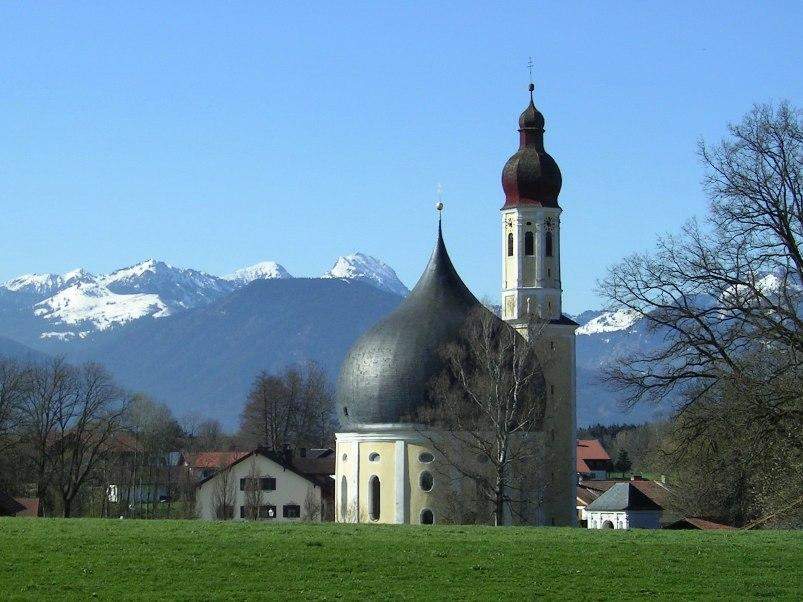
215, 459
589, 449
31, 506
588, 491
698, 523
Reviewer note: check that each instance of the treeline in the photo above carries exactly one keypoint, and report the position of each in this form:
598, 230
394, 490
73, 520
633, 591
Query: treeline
70, 436
726, 295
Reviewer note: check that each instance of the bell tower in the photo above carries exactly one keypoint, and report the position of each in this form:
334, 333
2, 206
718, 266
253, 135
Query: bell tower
531, 297
531, 227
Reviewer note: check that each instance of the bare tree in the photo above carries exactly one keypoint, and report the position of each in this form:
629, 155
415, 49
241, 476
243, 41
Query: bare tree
726, 298
15, 383
291, 409
254, 498
488, 413
223, 494
311, 511
86, 423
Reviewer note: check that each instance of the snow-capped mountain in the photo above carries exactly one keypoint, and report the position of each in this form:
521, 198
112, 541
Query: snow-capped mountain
77, 304
608, 321
44, 285
264, 270
364, 268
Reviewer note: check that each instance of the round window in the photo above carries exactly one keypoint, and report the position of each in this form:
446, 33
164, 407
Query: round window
426, 480
345, 457
425, 457
427, 517
373, 457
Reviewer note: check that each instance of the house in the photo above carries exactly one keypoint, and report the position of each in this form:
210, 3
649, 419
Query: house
593, 462
658, 491
9, 506
623, 506
270, 485
694, 522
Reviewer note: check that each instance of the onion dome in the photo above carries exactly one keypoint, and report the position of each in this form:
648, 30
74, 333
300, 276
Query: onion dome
531, 176
387, 374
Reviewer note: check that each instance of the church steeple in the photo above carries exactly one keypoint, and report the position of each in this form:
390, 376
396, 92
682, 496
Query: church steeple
531, 226
531, 176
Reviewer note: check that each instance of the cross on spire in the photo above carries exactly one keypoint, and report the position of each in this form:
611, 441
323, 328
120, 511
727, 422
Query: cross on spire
530, 68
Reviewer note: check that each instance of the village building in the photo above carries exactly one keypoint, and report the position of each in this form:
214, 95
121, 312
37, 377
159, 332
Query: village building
623, 506
270, 485
591, 490
593, 462
386, 466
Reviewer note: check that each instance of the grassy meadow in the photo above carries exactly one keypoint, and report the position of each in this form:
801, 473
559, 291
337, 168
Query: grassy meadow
125, 559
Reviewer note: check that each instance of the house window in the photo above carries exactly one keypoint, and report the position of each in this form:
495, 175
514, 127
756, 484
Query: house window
224, 512
427, 518
344, 497
548, 244
426, 481
529, 245
267, 512
373, 497
373, 457
291, 511
258, 484
510, 244
425, 457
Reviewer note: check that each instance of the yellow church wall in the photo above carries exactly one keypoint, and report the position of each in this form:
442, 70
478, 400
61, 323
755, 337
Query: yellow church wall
384, 468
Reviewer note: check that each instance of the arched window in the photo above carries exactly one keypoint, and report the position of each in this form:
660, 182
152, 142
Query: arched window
373, 497
510, 244
373, 457
548, 244
427, 518
344, 498
426, 481
529, 245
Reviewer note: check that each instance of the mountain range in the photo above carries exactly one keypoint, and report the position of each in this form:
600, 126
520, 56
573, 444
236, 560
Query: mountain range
196, 341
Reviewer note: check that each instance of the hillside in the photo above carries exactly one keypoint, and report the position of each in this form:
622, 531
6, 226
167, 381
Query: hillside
113, 559
204, 360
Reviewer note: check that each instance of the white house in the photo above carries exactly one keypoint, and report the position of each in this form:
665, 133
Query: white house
623, 506
269, 485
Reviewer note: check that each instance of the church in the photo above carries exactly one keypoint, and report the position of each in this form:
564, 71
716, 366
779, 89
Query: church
387, 470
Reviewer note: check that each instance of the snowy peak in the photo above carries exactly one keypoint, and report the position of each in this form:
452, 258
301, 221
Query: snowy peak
92, 304
364, 268
43, 285
264, 270
608, 321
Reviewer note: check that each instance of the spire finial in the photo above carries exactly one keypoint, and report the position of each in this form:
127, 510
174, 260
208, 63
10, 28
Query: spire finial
439, 204
530, 67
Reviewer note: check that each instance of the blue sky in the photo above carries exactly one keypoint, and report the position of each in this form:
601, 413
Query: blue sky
215, 135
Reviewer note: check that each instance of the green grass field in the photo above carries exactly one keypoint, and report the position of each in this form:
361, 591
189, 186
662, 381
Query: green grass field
83, 558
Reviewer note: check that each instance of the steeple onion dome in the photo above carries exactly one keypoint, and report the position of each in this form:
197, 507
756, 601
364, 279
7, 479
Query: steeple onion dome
531, 176
387, 374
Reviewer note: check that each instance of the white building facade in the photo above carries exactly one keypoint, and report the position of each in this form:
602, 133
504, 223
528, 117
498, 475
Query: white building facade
262, 487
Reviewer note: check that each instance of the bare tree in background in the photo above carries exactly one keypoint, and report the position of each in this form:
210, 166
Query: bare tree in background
291, 409
223, 494
312, 509
254, 498
488, 412
15, 383
727, 298
90, 415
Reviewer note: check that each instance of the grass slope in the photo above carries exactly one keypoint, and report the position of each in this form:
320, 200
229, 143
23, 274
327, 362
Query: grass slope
82, 558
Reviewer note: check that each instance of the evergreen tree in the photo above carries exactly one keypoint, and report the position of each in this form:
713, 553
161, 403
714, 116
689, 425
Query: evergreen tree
623, 463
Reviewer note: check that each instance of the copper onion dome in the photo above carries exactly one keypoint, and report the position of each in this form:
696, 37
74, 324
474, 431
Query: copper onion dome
531, 176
